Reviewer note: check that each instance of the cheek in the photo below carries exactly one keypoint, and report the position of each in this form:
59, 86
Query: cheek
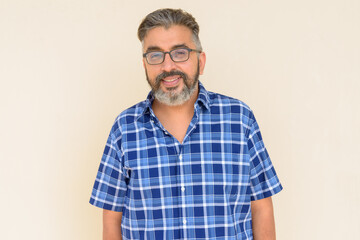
151, 72
191, 70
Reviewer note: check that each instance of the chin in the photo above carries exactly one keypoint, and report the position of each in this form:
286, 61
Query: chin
172, 98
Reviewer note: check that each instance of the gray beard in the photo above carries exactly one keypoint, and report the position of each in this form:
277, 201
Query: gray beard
171, 98
175, 99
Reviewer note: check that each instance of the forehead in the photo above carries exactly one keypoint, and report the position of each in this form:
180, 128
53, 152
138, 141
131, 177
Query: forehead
166, 39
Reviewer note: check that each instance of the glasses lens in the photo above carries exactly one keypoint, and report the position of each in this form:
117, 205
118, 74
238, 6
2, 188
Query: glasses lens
180, 55
154, 57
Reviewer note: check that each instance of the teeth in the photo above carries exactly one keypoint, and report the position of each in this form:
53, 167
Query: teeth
170, 80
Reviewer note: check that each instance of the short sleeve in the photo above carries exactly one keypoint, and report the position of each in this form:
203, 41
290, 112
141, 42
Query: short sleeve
110, 184
263, 179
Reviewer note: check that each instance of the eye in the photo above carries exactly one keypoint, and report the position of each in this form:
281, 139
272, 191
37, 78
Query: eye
155, 55
180, 53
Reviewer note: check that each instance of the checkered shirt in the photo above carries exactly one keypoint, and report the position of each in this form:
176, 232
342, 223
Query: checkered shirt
198, 189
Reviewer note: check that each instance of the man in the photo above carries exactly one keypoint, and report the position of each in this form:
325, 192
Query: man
185, 163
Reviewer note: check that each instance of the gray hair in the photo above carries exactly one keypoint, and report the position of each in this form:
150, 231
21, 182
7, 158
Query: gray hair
166, 18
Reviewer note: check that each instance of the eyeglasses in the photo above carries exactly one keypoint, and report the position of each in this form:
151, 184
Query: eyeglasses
177, 55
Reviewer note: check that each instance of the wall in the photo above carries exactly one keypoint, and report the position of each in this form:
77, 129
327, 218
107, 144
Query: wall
68, 68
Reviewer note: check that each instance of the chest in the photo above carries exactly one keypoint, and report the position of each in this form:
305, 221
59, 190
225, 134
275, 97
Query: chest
176, 125
214, 155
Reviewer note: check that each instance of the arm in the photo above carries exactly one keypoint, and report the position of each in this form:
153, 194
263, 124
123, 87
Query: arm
111, 225
263, 222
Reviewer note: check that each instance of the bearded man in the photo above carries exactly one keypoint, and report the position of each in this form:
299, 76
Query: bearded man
185, 163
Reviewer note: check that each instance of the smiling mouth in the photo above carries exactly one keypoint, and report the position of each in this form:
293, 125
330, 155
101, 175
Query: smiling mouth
171, 80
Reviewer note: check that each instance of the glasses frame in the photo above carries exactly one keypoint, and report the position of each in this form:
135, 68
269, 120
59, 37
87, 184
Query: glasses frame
169, 52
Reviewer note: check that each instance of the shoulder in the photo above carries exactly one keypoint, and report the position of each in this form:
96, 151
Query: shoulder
128, 117
229, 105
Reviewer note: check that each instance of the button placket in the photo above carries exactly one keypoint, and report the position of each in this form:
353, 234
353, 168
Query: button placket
182, 189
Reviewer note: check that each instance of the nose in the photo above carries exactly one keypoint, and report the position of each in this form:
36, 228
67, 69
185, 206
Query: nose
168, 64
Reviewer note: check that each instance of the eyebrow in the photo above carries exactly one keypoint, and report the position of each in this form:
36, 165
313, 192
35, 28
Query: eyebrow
156, 48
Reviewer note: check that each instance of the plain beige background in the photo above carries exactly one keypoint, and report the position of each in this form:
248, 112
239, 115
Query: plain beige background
69, 67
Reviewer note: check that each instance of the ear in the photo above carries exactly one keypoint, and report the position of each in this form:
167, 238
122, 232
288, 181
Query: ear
143, 60
202, 61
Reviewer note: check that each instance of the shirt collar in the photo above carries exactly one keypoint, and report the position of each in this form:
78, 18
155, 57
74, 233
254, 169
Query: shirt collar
202, 100
203, 96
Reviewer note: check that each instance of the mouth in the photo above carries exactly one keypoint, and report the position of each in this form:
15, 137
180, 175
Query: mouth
171, 81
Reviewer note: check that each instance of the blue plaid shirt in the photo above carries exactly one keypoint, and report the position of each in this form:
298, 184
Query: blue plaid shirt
198, 189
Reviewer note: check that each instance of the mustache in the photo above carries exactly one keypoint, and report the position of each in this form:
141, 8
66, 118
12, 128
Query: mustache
172, 73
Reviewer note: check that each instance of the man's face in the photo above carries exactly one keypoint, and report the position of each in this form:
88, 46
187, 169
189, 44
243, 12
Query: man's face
173, 83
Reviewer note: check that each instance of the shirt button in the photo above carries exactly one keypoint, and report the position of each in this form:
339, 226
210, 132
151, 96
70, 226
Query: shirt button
166, 133
180, 157
184, 221
183, 189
